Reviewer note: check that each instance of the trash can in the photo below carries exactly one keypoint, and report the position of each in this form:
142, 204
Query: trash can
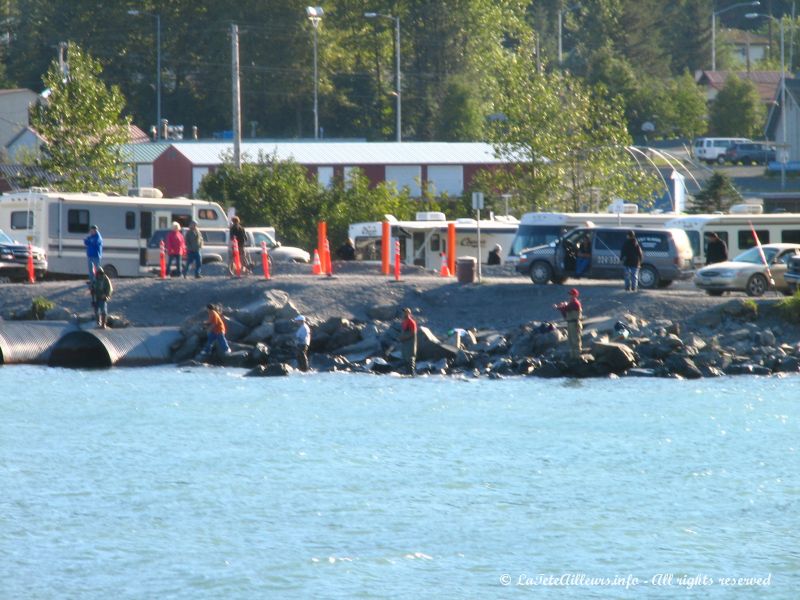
465, 269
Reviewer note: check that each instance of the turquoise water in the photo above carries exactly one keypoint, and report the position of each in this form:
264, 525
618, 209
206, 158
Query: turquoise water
167, 483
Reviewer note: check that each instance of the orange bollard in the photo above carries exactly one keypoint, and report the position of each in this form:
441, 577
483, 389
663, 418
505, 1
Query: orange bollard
237, 259
385, 249
162, 260
444, 271
31, 272
328, 265
451, 248
397, 261
316, 268
265, 260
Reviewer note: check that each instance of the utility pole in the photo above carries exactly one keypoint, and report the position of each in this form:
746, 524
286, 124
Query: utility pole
237, 115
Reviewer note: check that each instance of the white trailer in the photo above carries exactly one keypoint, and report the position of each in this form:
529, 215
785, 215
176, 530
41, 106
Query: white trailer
422, 241
58, 222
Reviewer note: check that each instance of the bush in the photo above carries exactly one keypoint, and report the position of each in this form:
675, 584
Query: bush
39, 307
789, 308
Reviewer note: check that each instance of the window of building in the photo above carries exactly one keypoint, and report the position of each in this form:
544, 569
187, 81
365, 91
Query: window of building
77, 221
22, 219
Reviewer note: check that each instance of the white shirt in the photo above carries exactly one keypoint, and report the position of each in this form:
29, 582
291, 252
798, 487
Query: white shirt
303, 334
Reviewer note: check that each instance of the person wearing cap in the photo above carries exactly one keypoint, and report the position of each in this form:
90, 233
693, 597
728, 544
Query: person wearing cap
101, 294
302, 339
494, 255
176, 248
94, 250
194, 247
572, 311
631, 257
216, 332
408, 341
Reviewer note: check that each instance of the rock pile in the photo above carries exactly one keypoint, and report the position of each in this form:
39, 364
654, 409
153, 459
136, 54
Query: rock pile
724, 341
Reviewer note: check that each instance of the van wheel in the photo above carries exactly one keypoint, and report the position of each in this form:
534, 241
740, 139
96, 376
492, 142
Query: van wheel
111, 271
756, 285
720, 160
648, 277
541, 272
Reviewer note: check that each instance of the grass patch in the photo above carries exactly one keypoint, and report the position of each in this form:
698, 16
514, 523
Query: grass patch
39, 307
789, 308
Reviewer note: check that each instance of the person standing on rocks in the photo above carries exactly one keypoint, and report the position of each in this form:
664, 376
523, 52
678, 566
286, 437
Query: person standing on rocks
176, 248
194, 246
716, 250
302, 340
572, 311
101, 294
408, 341
631, 256
216, 332
94, 250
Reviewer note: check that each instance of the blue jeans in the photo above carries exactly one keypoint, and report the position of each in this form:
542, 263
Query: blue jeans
94, 262
176, 258
581, 265
192, 257
631, 278
219, 339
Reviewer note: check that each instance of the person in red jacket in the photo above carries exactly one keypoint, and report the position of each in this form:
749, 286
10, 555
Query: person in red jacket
572, 310
408, 341
176, 248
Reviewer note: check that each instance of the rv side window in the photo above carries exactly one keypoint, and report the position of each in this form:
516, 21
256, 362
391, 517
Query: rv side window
22, 219
130, 220
788, 236
207, 214
435, 241
746, 239
77, 221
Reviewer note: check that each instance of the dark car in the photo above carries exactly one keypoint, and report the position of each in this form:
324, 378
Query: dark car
751, 153
14, 260
792, 275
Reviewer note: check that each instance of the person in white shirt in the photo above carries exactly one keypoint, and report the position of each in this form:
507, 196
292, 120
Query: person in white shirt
302, 339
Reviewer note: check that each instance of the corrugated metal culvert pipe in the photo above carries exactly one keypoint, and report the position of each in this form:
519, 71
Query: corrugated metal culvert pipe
98, 348
30, 342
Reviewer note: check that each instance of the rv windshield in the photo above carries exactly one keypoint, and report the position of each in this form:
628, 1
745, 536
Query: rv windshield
5, 239
529, 236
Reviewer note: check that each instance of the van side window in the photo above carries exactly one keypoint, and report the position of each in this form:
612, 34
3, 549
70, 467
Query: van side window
653, 242
746, 239
77, 221
609, 240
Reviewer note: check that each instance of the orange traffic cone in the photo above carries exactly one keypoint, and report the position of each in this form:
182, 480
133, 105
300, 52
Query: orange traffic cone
444, 271
316, 267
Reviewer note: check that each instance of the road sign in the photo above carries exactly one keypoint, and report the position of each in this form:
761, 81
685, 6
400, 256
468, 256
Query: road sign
477, 200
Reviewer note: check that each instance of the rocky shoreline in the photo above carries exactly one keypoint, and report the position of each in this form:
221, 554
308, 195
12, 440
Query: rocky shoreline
513, 329
731, 343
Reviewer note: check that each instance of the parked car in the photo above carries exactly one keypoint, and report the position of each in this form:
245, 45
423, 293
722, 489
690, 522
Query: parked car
750, 153
711, 149
217, 240
667, 256
792, 275
14, 260
747, 272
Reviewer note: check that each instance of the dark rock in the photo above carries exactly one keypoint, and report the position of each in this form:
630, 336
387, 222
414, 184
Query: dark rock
502, 365
378, 365
334, 324
437, 367
384, 312
284, 326
188, 348
235, 330
430, 348
747, 369
260, 354
463, 359
683, 366
711, 371
346, 335
789, 364
542, 342
618, 357
260, 333
270, 370
549, 369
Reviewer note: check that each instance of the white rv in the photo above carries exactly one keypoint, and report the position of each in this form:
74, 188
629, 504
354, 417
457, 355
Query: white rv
58, 222
423, 240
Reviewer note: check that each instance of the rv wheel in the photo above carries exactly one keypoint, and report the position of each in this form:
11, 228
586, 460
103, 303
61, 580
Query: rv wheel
111, 271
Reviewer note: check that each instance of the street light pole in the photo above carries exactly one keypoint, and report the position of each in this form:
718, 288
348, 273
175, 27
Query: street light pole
399, 102
314, 14
714, 14
157, 17
784, 143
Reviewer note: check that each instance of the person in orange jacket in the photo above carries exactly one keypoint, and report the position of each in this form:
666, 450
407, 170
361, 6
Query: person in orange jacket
216, 332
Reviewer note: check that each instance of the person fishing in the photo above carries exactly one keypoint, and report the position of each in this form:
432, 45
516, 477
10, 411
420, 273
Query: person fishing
572, 311
101, 289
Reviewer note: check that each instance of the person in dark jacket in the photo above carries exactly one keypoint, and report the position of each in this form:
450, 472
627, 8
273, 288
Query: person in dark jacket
194, 247
716, 250
346, 251
101, 294
631, 257
238, 233
494, 255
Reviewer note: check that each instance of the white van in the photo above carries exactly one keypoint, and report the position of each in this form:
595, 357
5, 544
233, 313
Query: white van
711, 149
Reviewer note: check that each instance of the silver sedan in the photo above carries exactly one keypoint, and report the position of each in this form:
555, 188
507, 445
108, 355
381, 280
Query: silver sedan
748, 273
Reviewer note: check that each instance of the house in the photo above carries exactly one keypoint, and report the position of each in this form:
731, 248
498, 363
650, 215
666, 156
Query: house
775, 123
442, 167
766, 82
748, 47
14, 107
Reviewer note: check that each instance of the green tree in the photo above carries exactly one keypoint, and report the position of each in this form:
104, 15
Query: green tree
82, 123
718, 194
737, 110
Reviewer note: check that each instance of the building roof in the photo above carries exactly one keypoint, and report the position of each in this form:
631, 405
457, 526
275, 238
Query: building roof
766, 82
137, 135
17, 91
15, 177
144, 153
740, 37
345, 153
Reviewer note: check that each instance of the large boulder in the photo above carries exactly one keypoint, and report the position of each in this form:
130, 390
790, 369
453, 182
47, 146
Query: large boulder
618, 357
430, 348
683, 366
383, 312
347, 335
236, 330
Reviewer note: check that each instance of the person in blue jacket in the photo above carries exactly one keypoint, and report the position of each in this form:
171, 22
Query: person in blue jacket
94, 250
